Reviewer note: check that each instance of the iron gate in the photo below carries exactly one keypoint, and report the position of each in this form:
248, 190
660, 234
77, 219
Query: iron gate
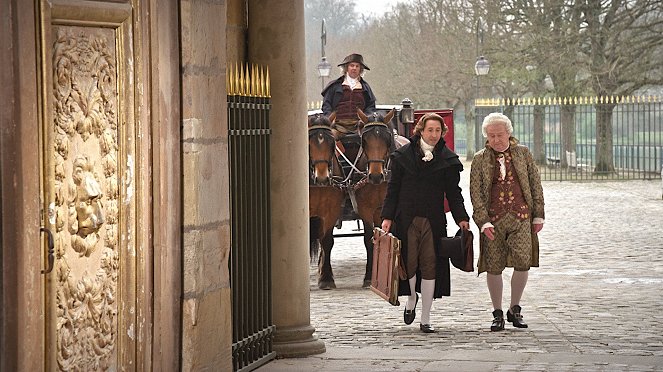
568, 143
250, 261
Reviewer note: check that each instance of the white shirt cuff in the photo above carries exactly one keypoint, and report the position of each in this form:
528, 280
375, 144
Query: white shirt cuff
486, 225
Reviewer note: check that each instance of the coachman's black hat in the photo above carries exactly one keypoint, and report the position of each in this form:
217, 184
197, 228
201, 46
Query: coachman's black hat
354, 58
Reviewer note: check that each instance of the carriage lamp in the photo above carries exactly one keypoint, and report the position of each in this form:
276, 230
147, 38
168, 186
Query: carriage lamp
482, 66
407, 111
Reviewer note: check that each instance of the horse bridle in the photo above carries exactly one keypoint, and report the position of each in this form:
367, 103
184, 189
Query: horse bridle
376, 126
326, 133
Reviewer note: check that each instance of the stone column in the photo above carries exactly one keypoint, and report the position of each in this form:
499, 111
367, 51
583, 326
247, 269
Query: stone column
206, 319
276, 40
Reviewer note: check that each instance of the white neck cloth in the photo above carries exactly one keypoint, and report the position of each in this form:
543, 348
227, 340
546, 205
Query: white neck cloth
351, 82
427, 149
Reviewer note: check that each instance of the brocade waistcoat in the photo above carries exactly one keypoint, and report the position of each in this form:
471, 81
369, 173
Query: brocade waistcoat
506, 196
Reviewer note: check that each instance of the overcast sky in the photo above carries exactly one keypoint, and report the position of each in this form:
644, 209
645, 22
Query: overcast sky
375, 7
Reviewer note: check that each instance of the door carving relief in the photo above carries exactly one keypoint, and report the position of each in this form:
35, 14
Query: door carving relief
88, 140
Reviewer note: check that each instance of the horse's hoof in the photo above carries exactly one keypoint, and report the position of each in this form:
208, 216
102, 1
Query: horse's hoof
367, 283
327, 285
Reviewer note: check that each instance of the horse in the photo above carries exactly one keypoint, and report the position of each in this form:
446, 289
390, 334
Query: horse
323, 162
367, 194
325, 196
377, 143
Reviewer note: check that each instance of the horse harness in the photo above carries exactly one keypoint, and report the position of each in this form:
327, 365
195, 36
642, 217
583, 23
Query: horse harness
325, 133
381, 130
378, 129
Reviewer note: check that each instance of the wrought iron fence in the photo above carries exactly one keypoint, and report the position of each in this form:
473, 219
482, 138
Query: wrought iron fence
250, 261
586, 138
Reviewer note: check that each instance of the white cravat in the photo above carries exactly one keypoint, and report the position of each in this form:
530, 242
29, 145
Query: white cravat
427, 149
501, 159
351, 82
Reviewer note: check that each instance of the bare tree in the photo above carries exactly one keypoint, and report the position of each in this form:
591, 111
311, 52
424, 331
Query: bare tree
544, 35
607, 47
420, 50
623, 47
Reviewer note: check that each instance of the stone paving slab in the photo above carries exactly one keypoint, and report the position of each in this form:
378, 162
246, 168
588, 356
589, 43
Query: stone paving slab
595, 303
365, 359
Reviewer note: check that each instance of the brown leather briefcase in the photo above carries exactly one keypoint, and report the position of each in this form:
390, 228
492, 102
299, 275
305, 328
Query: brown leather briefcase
387, 266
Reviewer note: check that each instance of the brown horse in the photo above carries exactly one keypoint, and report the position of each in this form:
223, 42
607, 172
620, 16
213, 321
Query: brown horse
367, 194
377, 143
325, 196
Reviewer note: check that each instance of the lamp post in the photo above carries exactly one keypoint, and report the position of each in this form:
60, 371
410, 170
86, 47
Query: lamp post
481, 68
324, 67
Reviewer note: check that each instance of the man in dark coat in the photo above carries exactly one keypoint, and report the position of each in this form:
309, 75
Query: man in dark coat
348, 93
423, 173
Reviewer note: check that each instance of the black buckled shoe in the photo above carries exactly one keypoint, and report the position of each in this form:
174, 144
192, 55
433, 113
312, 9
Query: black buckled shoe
427, 328
513, 316
408, 315
498, 321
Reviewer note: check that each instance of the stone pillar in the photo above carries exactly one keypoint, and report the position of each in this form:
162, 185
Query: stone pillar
206, 315
276, 40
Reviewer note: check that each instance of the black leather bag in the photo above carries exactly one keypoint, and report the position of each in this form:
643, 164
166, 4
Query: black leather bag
459, 249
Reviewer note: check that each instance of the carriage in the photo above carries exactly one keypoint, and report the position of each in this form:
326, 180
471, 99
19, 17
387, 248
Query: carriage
354, 186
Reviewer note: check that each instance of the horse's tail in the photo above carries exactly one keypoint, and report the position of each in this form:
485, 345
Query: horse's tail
315, 224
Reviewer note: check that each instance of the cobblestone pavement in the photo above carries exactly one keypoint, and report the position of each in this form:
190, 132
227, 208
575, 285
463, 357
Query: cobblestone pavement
595, 303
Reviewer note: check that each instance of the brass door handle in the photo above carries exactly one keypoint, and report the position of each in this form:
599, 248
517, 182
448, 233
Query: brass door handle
51, 250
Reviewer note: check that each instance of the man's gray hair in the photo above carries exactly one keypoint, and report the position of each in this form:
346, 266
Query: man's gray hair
496, 117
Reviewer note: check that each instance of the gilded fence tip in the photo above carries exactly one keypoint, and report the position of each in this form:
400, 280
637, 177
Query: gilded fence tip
249, 80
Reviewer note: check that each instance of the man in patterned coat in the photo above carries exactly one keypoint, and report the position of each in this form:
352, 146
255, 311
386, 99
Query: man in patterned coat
507, 198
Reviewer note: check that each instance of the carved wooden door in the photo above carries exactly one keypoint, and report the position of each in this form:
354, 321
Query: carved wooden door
88, 146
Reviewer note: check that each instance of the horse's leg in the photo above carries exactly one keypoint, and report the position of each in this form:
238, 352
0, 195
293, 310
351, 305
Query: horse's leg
314, 237
325, 273
368, 243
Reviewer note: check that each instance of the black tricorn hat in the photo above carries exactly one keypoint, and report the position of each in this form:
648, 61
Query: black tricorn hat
459, 249
354, 58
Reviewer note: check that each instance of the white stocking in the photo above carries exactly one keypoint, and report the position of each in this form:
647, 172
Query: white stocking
518, 282
495, 288
427, 292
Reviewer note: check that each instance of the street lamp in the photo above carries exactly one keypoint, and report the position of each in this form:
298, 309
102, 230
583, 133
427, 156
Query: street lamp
324, 67
481, 68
